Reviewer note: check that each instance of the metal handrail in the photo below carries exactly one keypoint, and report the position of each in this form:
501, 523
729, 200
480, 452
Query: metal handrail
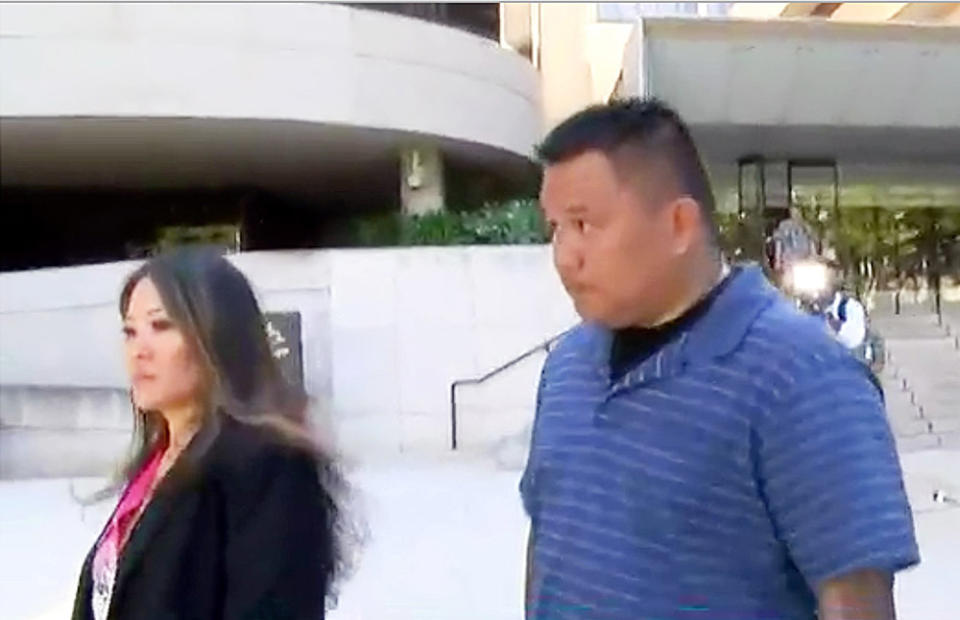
543, 346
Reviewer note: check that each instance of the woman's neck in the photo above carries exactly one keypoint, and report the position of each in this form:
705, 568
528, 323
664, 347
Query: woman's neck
182, 424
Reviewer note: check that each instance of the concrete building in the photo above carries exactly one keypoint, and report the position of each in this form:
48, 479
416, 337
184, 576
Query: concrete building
847, 110
804, 81
269, 126
579, 47
271, 120
265, 125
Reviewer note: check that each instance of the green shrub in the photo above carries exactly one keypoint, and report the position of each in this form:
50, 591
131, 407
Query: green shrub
509, 223
224, 236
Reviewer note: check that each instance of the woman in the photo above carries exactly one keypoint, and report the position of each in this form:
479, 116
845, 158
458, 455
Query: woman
228, 510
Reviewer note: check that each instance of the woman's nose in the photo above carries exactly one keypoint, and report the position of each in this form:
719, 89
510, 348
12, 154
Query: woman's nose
139, 347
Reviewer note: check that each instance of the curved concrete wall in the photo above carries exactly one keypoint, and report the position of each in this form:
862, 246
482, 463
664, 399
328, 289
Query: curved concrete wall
313, 62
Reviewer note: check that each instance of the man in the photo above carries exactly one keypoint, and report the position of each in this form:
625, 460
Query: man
700, 449
792, 241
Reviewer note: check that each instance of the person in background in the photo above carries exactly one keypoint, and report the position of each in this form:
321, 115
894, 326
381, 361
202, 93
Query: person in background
792, 242
847, 319
848, 322
700, 448
228, 508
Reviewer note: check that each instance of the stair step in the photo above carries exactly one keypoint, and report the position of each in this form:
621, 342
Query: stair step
950, 441
909, 427
916, 443
946, 425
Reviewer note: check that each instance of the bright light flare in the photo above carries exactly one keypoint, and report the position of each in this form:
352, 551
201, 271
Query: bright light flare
809, 278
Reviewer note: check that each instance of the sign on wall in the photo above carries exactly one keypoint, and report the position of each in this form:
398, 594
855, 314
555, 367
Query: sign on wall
283, 333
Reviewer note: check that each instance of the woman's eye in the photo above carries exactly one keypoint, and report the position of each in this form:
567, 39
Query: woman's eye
128, 332
161, 324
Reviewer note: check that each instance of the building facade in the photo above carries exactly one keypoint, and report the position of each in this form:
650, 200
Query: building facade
125, 123
845, 110
266, 126
128, 126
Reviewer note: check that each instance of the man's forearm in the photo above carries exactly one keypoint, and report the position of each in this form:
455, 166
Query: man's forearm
864, 595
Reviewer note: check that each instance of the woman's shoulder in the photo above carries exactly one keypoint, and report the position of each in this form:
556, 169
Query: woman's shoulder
262, 482
249, 454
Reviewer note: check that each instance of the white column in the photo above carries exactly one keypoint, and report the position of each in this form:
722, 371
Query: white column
421, 180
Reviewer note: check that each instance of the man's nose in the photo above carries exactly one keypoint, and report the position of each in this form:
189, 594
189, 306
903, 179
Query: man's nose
567, 256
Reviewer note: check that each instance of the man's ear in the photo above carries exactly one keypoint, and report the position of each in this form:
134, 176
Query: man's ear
686, 224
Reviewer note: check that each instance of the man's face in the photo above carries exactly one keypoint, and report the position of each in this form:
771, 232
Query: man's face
612, 245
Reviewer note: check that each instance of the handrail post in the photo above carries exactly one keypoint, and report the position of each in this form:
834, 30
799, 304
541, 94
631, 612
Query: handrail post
453, 415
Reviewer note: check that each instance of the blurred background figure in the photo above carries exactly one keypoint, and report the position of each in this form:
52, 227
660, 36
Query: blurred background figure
817, 288
847, 318
849, 322
792, 242
228, 508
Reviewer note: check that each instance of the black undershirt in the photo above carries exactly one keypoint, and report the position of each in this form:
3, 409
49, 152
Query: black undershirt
632, 345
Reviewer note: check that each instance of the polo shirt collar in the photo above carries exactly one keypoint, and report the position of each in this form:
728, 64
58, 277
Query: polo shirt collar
726, 323
714, 335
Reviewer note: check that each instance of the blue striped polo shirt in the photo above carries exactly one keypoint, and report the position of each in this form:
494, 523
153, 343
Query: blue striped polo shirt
723, 478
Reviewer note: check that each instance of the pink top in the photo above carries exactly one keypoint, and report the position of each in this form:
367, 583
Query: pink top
114, 536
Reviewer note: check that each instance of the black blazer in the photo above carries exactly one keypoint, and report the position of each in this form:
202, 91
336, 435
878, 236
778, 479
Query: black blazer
238, 530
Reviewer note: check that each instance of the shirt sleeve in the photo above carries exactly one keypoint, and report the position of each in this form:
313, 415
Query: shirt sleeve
528, 486
829, 472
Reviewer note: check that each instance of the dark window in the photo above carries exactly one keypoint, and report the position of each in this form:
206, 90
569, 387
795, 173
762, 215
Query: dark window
482, 19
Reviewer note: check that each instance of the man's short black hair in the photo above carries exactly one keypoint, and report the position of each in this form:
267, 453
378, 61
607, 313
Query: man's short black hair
635, 133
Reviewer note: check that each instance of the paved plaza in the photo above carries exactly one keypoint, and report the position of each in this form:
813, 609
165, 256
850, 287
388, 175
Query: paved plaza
447, 540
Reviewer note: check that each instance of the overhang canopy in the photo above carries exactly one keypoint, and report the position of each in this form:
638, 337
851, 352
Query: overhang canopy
874, 94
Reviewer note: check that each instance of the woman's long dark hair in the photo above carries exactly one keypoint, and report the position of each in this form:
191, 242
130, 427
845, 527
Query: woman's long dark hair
213, 305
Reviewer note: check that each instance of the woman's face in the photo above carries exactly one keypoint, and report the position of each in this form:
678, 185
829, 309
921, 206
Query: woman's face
164, 372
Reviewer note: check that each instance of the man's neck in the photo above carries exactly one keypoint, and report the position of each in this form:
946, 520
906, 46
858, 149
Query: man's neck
701, 282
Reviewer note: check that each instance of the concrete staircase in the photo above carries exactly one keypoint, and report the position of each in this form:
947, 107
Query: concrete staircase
921, 380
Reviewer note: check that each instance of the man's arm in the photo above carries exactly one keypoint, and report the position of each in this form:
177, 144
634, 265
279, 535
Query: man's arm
862, 595
528, 494
828, 467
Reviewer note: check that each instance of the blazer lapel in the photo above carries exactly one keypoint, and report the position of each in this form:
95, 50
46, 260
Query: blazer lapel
182, 475
81, 604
